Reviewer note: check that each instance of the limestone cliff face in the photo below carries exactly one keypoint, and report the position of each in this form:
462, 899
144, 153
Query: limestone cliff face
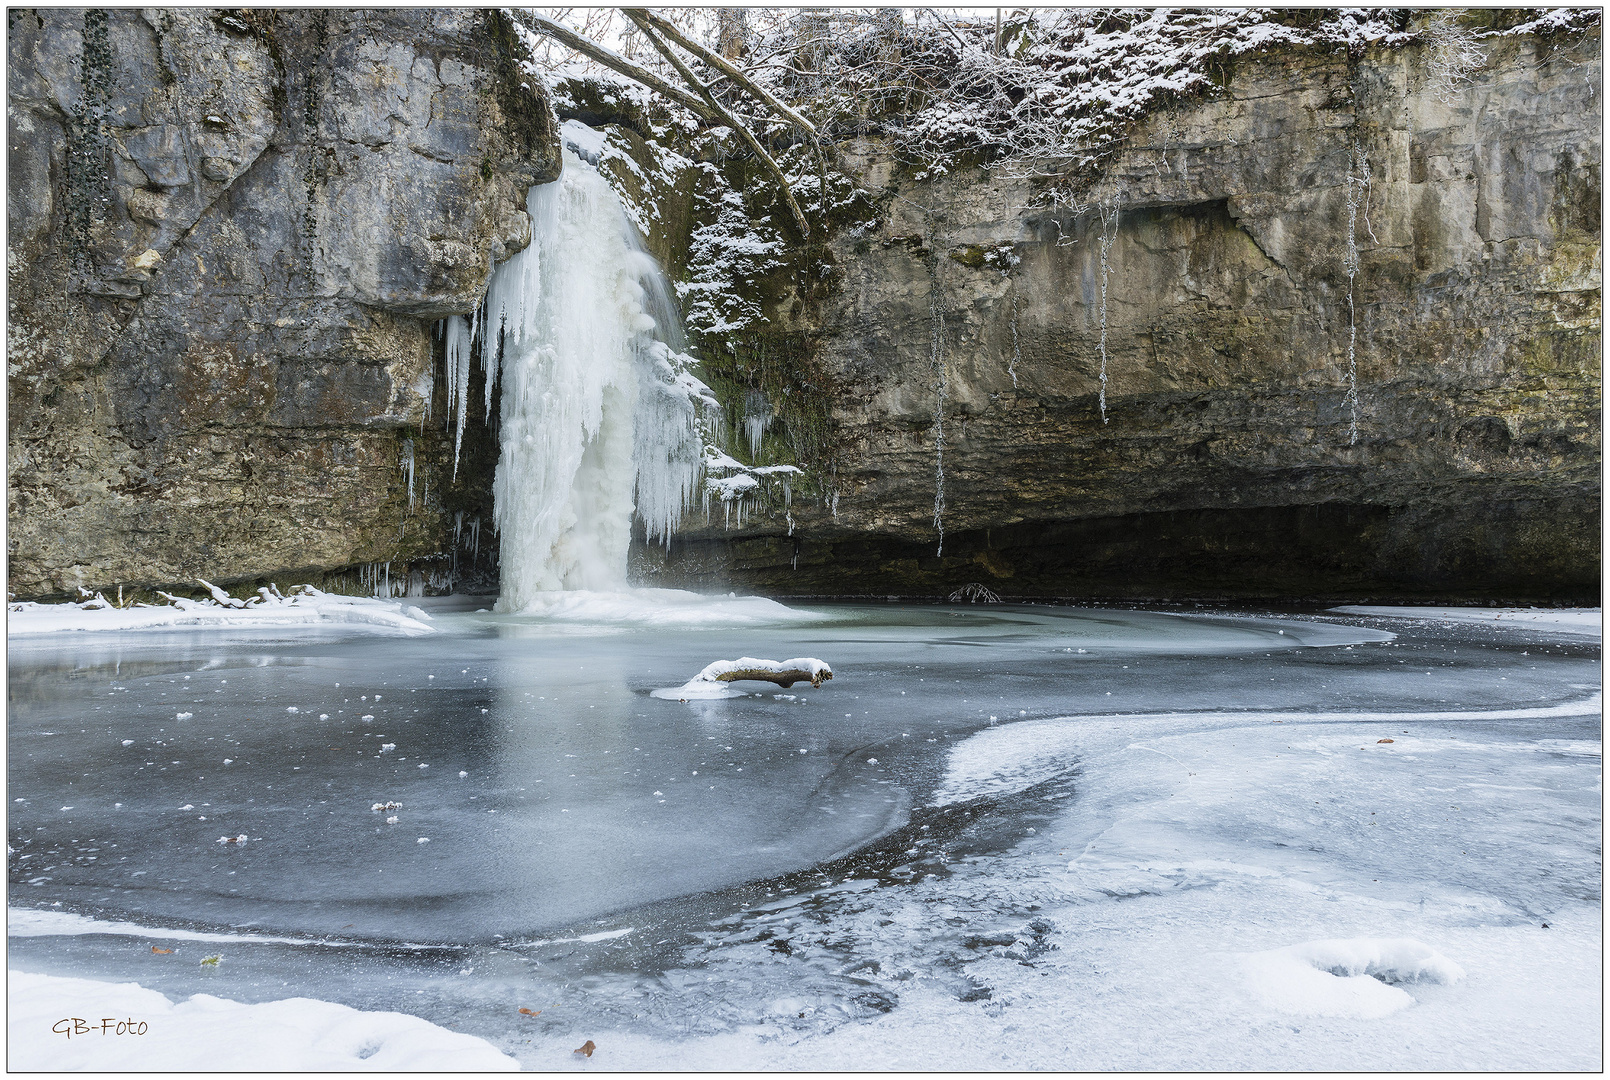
229, 233
963, 352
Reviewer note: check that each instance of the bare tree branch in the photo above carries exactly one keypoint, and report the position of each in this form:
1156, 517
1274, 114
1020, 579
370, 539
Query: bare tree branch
722, 65
725, 118
541, 24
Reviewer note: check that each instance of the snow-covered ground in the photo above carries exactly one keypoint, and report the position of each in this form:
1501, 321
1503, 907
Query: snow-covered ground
1134, 841
55, 1024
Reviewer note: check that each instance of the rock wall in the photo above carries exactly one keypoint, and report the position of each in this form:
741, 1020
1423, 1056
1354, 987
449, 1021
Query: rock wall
229, 235
962, 356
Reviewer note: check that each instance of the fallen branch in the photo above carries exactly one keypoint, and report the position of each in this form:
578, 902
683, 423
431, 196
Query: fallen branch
721, 64
785, 674
541, 24
725, 117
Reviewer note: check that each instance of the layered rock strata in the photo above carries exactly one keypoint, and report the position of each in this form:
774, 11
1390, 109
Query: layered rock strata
1155, 396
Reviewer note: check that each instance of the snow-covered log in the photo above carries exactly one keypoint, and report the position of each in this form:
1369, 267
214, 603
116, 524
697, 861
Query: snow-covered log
712, 681
784, 673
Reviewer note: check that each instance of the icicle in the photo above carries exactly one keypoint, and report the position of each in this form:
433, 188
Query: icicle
408, 468
1358, 177
459, 338
1109, 233
757, 417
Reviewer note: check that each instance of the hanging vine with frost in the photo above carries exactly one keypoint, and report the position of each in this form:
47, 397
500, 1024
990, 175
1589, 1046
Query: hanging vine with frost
1108, 209
1358, 182
936, 364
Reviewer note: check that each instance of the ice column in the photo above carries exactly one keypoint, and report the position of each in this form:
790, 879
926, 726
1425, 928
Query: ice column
596, 414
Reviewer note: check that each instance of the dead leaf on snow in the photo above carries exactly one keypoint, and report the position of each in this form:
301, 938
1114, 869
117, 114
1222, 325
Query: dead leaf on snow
1385, 740
527, 1012
157, 950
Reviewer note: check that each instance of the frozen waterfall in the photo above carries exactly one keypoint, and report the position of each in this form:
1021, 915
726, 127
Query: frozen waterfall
598, 409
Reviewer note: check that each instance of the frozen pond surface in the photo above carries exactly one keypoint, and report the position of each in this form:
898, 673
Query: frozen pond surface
1038, 837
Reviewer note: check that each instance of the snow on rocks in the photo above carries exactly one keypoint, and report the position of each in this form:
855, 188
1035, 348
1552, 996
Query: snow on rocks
1359, 978
305, 606
714, 680
210, 1034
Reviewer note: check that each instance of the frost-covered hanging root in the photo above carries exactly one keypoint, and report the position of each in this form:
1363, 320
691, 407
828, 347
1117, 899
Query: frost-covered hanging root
1108, 208
1358, 184
936, 364
1009, 260
1452, 52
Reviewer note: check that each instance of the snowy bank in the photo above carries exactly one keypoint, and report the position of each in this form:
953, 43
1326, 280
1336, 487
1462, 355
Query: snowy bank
211, 1034
1575, 622
305, 606
716, 679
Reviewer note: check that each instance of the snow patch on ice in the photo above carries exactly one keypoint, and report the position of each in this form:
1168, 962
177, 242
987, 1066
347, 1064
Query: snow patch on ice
1015, 757
212, 1034
1577, 622
1358, 978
